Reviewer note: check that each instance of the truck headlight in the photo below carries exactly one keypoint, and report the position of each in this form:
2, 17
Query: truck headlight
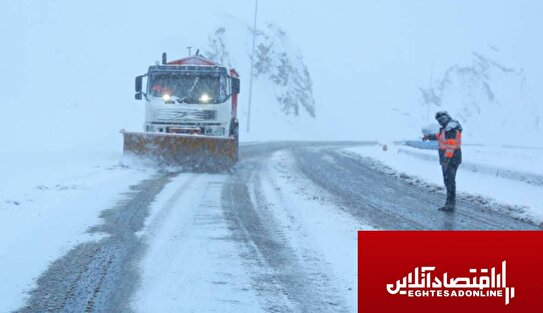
205, 98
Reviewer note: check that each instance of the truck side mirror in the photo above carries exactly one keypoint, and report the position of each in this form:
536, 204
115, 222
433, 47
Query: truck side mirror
235, 85
138, 87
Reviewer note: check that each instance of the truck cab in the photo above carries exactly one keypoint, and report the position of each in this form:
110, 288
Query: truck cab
192, 96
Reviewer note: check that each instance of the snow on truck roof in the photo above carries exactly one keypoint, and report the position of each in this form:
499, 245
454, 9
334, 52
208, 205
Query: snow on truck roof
186, 69
191, 64
193, 60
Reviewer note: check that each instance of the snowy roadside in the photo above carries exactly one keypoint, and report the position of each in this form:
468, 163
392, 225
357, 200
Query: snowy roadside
47, 204
505, 179
521, 164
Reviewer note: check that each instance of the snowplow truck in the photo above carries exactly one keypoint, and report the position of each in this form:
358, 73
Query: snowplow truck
190, 114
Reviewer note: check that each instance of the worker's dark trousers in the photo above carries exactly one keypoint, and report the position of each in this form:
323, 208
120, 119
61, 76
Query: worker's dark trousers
449, 178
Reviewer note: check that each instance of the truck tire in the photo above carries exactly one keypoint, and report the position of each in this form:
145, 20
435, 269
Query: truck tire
234, 132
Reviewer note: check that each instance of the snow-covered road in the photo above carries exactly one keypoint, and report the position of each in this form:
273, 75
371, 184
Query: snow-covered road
277, 234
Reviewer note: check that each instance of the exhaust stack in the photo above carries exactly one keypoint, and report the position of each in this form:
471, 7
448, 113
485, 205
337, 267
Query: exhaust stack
164, 58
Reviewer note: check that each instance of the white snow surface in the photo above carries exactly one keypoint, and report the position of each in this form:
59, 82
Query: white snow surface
495, 173
194, 265
48, 204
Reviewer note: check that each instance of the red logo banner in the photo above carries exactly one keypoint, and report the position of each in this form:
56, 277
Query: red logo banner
450, 271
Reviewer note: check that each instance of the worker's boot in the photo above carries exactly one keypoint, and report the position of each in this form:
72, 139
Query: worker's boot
447, 208
452, 204
449, 204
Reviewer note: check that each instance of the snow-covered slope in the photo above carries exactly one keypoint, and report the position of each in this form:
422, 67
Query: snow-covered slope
282, 104
276, 62
490, 99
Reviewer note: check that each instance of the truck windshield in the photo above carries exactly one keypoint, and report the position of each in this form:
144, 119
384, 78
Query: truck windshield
188, 88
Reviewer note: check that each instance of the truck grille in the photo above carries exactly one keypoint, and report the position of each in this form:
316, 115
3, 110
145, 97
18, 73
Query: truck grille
185, 115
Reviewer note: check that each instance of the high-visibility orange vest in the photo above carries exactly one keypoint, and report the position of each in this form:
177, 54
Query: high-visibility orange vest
449, 145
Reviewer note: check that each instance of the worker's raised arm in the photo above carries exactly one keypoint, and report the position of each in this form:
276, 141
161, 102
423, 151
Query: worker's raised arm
430, 137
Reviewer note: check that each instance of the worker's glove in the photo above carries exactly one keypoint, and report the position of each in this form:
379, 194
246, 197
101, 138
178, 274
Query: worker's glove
426, 137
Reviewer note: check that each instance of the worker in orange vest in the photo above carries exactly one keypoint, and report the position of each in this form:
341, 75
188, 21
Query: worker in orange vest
449, 140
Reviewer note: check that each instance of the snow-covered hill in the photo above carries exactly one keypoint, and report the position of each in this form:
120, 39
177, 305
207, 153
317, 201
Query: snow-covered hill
283, 103
276, 62
490, 99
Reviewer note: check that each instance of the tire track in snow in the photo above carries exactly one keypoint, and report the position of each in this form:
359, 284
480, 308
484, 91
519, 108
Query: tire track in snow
192, 262
99, 276
156, 221
271, 191
279, 276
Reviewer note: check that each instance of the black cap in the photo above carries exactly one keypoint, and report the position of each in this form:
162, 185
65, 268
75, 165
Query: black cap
443, 118
441, 113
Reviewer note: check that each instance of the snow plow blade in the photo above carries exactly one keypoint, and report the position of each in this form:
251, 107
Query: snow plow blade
190, 151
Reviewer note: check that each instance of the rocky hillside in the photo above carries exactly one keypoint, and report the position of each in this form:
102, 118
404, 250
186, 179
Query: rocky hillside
276, 62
